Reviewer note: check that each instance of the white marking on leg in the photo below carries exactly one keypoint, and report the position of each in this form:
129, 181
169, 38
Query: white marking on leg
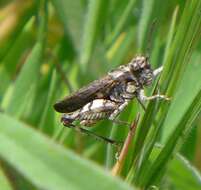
70, 116
85, 108
93, 105
99, 103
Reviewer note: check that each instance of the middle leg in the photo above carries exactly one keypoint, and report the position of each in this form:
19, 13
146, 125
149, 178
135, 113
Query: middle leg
119, 110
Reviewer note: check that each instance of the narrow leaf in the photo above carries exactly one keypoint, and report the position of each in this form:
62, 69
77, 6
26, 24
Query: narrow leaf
166, 153
94, 21
121, 23
4, 182
34, 155
183, 175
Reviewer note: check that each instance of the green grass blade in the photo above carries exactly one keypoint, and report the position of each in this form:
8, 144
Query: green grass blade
166, 153
23, 16
183, 44
94, 22
71, 15
118, 52
183, 174
28, 75
147, 7
154, 132
4, 182
122, 21
110, 152
170, 34
29, 72
184, 95
33, 155
47, 115
176, 62
142, 132
22, 42
180, 174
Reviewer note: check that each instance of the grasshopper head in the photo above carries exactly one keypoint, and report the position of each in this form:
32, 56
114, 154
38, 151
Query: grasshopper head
141, 70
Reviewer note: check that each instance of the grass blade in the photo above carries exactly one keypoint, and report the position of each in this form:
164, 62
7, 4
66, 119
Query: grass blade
27, 77
121, 23
32, 155
71, 15
17, 20
47, 114
5, 184
184, 95
94, 22
29, 72
166, 153
144, 21
183, 174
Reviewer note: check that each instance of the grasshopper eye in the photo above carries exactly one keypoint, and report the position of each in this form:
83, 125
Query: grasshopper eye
134, 66
139, 63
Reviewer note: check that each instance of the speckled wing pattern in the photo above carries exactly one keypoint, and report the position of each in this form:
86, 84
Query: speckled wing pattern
97, 89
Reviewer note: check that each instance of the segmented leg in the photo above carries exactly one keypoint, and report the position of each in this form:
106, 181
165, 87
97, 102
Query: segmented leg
127, 93
97, 137
92, 112
118, 110
88, 123
124, 91
142, 97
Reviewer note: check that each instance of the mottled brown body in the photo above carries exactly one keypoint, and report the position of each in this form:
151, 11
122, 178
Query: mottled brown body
106, 98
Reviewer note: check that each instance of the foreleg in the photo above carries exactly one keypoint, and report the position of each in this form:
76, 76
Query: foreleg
142, 97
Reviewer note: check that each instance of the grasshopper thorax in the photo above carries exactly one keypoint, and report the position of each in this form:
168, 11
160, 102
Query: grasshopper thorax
141, 70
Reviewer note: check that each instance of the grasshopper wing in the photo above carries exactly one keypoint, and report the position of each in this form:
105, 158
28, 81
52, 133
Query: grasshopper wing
95, 90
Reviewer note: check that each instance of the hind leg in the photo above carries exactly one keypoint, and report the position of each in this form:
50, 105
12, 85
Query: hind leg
88, 123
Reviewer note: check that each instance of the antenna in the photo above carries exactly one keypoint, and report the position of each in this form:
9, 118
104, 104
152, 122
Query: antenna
150, 37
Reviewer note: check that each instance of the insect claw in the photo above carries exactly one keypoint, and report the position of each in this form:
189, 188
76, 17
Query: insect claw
66, 122
164, 97
117, 155
167, 98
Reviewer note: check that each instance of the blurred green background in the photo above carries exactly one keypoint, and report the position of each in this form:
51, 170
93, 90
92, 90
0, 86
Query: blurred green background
49, 49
